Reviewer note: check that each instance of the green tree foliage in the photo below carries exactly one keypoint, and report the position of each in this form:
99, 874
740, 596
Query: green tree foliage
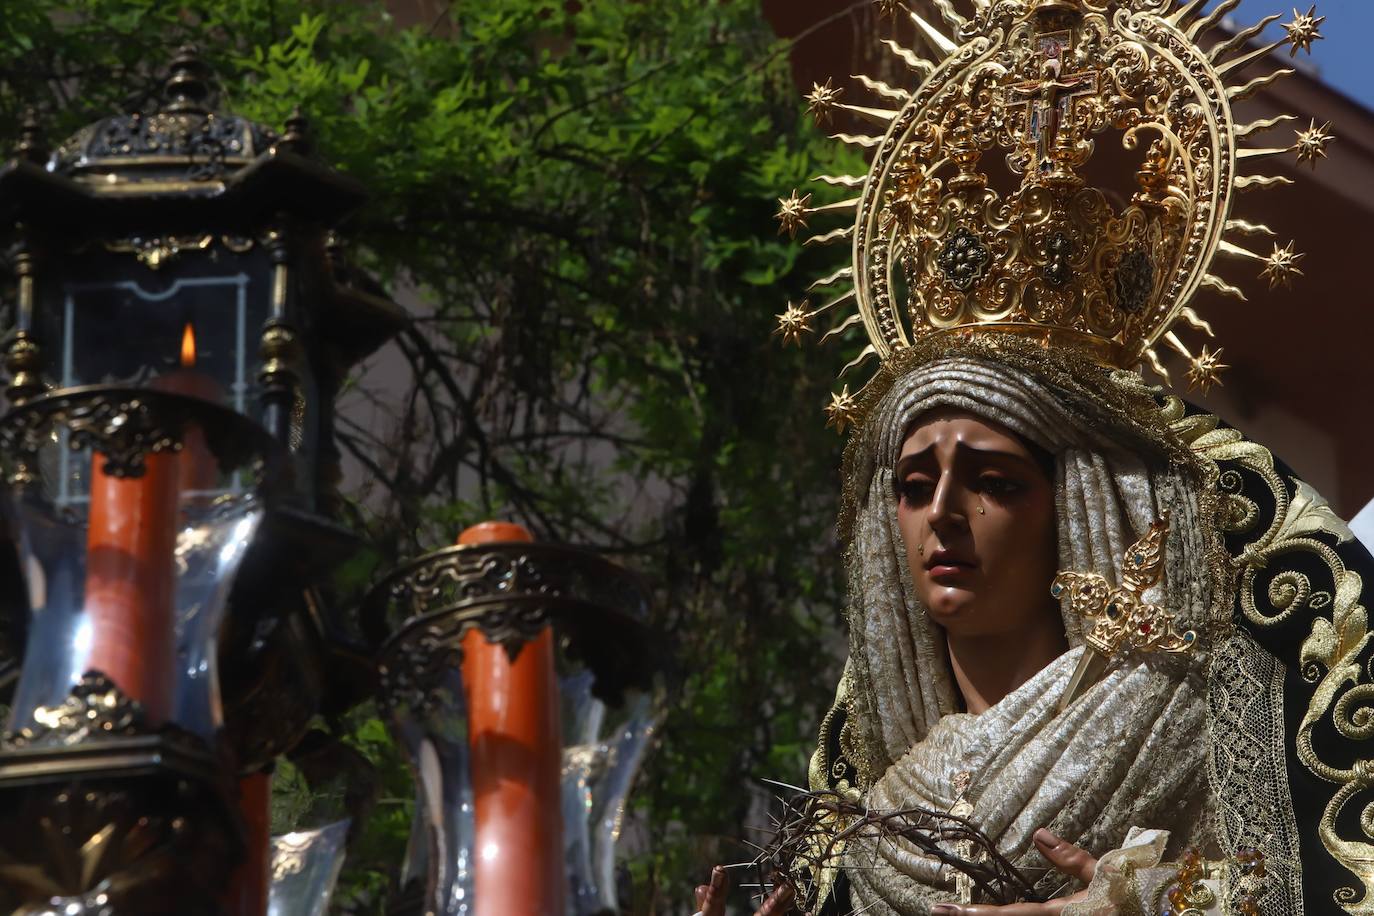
576, 200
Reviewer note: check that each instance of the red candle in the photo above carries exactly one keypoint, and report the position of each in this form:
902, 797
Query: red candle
130, 579
199, 472
130, 553
513, 720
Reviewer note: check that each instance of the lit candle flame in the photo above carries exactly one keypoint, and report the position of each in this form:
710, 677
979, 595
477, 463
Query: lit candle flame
188, 346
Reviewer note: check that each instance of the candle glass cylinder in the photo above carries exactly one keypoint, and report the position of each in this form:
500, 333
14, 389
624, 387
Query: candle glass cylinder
603, 751
128, 585
433, 729
305, 868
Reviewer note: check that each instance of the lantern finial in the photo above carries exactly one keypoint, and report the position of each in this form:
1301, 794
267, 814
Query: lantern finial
187, 87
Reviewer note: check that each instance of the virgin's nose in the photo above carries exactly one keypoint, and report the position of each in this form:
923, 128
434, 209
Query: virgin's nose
946, 514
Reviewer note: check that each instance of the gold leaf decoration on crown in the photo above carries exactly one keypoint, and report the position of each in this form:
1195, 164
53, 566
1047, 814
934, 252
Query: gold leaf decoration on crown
938, 247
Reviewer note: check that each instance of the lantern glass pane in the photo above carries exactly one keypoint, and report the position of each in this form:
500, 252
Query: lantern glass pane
197, 320
192, 325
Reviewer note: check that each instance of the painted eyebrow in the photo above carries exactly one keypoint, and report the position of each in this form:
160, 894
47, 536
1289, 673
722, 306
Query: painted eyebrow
906, 461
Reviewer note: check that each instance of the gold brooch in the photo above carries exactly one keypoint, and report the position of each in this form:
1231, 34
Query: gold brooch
1118, 617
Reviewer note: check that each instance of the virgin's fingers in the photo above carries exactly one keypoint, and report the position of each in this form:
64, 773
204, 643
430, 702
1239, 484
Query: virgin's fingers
1071, 860
713, 903
778, 903
701, 895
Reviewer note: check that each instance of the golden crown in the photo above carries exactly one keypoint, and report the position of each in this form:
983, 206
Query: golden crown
938, 248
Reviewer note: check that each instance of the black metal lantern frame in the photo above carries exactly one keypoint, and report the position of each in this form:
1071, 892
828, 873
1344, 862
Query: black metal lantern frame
145, 225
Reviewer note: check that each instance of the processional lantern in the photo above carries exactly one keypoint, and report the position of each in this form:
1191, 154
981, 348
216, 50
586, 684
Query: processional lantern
182, 322
500, 659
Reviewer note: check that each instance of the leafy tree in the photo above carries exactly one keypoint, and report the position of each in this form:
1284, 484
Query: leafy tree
576, 200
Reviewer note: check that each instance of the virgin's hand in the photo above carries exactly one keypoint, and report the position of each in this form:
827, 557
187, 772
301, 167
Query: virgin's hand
1063, 855
711, 897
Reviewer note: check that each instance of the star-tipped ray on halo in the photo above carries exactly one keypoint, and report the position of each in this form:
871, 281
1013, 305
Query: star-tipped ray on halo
1205, 370
1282, 266
793, 322
792, 213
889, 9
972, 87
1303, 30
841, 410
938, 40
821, 101
1311, 143
824, 100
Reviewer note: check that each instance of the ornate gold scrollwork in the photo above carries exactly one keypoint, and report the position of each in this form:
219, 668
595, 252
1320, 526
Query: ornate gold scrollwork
1273, 588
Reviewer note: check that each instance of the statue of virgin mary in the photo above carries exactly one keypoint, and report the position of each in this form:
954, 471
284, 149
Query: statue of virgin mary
1194, 720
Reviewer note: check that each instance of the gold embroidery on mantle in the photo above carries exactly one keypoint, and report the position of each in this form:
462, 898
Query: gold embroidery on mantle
1330, 654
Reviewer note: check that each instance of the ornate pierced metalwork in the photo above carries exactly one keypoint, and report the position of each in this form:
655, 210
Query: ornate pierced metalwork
963, 259
183, 139
96, 708
1135, 281
156, 251
125, 825
510, 592
125, 425
1059, 254
288, 858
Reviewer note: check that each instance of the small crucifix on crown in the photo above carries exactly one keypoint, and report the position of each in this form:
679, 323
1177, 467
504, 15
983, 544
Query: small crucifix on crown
1050, 100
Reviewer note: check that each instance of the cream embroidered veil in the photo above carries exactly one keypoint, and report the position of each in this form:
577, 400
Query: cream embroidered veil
1135, 750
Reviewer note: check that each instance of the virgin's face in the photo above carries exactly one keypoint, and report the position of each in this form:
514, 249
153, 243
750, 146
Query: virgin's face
976, 511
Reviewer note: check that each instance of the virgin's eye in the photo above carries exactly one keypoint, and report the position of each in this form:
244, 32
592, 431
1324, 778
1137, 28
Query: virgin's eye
915, 491
997, 485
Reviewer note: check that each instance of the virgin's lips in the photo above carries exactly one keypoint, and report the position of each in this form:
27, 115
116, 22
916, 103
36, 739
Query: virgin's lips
943, 557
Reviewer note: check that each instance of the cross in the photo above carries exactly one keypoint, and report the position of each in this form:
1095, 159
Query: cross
1051, 99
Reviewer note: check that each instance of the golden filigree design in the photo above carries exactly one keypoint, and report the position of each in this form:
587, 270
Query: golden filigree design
158, 251
1118, 617
940, 246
